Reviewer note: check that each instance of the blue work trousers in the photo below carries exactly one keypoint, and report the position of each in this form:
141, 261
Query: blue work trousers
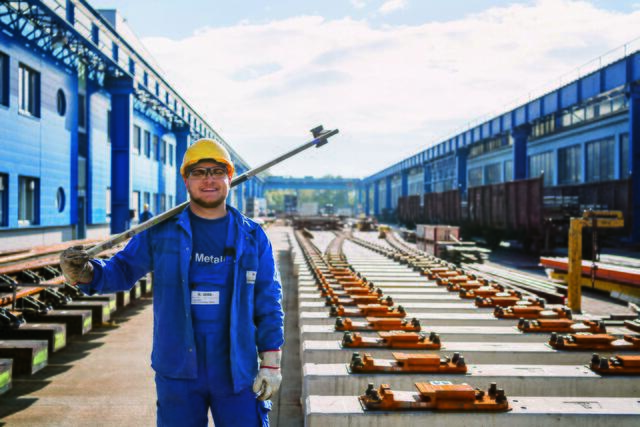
186, 403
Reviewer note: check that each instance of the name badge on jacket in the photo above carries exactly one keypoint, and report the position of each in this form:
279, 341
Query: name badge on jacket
251, 277
205, 298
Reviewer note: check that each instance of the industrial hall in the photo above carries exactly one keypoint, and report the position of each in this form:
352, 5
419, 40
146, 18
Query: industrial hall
362, 213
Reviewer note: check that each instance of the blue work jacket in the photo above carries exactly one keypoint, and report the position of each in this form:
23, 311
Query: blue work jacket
257, 318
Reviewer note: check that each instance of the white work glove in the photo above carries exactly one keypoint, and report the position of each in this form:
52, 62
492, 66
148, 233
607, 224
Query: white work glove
269, 377
75, 265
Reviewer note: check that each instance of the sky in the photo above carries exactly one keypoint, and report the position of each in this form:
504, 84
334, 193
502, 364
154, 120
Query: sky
394, 76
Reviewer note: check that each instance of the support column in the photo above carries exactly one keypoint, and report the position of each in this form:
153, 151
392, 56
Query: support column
121, 91
520, 136
405, 183
183, 137
367, 202
376, 198
461, 168
634, 154
387, 196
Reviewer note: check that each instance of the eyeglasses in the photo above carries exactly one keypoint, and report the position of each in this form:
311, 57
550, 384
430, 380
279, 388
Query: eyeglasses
202, 173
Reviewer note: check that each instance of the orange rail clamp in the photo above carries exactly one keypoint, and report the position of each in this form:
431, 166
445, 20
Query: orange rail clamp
602, 342
358, 300
435, 396
408, 363
529, 312
561, 326
462, 278
368, 310
393, 339
375, 324
509, 301
485, 291
468, 285
616, 365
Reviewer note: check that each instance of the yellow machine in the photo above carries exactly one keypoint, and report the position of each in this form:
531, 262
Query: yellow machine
599, 219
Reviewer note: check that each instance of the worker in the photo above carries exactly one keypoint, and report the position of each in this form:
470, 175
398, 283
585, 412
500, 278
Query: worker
146, 213
217, 301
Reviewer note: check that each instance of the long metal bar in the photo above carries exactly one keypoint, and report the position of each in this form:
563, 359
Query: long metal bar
320, 138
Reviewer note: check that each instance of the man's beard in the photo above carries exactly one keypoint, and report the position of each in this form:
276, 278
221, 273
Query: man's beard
208, 205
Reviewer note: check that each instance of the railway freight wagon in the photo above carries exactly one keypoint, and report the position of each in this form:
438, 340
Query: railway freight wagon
523, 210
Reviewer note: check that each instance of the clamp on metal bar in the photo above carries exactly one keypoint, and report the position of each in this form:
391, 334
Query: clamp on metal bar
615, 365
602, 342
532, 312
375, 324
561, 326
368, 310
484, 291
436, 396
408, 363
393, 339
509, 301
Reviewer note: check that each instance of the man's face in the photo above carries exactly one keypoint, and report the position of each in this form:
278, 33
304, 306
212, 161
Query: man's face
207, 187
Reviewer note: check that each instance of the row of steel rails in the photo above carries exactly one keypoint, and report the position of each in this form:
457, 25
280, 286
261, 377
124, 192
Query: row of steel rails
552, 291
377, 323
40, 313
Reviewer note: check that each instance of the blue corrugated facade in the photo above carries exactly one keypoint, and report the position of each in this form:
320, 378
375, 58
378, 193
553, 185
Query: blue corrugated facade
89, 130
583, 133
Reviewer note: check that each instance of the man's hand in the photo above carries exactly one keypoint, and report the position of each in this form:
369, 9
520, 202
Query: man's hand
75, 265
269, 377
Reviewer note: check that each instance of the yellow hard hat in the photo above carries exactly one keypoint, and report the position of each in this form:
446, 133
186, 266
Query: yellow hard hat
203, 149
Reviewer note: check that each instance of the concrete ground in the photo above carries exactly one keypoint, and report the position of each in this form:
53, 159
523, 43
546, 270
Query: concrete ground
102, 378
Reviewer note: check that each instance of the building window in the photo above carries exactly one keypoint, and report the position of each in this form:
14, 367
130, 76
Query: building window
28, 91
154, 203
163, 203
600, 160
475, 177
156, 148
492, 173
508, 170
82, 111
28, 198
109, 126
543, 126
60, 199
569, 165
107, 197
61, 102
542, 164
163, 152
135, 204
4, 199
4, 79
170, 201
147, 198
147, 144
136, 139
171, 155
625, 165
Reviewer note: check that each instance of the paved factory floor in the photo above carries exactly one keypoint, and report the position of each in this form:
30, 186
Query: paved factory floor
105, 378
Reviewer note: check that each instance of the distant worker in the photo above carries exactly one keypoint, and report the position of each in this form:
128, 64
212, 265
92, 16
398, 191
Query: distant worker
146, 213
217, 301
